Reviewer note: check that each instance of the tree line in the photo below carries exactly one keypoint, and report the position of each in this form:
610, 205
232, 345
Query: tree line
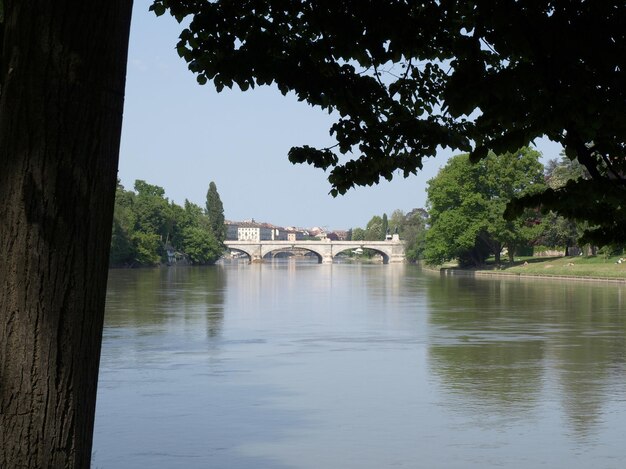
466, 216
148, 229
411, 227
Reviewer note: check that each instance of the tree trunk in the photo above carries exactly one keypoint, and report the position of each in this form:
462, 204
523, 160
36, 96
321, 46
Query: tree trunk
62, 74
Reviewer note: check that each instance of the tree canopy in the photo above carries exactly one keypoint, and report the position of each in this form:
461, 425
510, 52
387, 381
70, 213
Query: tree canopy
466, 203
374, 229
411, 228
146, 226
411, 77
215, 212
558, 230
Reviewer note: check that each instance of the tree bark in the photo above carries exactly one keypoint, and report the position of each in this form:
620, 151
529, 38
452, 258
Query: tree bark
62, 74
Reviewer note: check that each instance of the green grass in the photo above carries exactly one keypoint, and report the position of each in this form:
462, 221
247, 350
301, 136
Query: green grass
592, 266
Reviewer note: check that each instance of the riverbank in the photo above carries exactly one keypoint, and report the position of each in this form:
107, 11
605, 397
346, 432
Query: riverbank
592, 268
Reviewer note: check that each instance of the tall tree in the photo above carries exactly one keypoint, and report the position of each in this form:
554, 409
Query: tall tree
122, 248
374, 229
201, 246
146, 226
358, 234
385, 227
62, 77
215, 212
396, 221
466, 203
405, 79
413, 231
560, 231
559, 172
153, 213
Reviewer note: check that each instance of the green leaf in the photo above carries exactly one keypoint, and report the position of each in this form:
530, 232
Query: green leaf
158, 8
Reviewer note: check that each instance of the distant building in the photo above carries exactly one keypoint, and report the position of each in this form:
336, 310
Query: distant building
317, 232
254, 232
232, 230
342, 235
279, 234
250, 230
295, 235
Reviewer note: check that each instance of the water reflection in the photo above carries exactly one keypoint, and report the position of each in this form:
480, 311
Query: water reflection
509, 346
161, 298
298, 365
165, 377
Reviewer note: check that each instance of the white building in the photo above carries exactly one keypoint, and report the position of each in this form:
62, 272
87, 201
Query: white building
254, 232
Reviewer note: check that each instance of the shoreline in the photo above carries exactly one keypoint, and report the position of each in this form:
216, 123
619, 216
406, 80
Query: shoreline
455, 271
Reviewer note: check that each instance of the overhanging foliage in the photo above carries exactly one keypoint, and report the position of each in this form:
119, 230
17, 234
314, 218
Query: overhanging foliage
407, 78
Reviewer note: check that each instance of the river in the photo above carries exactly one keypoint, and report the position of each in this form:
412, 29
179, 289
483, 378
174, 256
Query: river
300, 365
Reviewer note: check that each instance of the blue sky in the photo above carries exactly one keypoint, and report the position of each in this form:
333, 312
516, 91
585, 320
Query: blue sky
180, 135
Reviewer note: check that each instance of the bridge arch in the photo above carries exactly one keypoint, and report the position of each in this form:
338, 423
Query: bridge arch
271, 249
279, 253
243, 250
385, 255
292, 252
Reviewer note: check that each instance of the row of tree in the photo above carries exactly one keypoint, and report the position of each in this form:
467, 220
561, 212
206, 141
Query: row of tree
149, 230
467, 217
411, 227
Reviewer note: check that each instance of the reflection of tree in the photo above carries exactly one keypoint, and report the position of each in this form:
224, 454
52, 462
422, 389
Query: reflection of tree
481, 350
588, 353
202, 296
582, 379
499, 376
132, 298
216, 278
149, 301
494, 343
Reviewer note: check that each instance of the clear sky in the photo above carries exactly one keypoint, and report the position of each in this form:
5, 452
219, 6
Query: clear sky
180, 135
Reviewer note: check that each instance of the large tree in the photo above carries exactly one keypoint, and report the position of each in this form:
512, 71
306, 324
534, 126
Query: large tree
146, 226
466, 203
411, 228
559, 231
62, 74
385, 227
374, 229
406, 78
215, 212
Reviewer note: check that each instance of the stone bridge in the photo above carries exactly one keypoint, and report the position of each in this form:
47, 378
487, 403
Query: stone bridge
392, 251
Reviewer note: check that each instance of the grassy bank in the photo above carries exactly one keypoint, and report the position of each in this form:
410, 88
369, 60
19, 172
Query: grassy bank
592, 266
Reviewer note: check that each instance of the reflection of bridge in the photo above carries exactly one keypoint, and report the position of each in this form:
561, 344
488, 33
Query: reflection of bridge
392, 251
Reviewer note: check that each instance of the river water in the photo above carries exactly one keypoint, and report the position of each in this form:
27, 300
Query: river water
300, 365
